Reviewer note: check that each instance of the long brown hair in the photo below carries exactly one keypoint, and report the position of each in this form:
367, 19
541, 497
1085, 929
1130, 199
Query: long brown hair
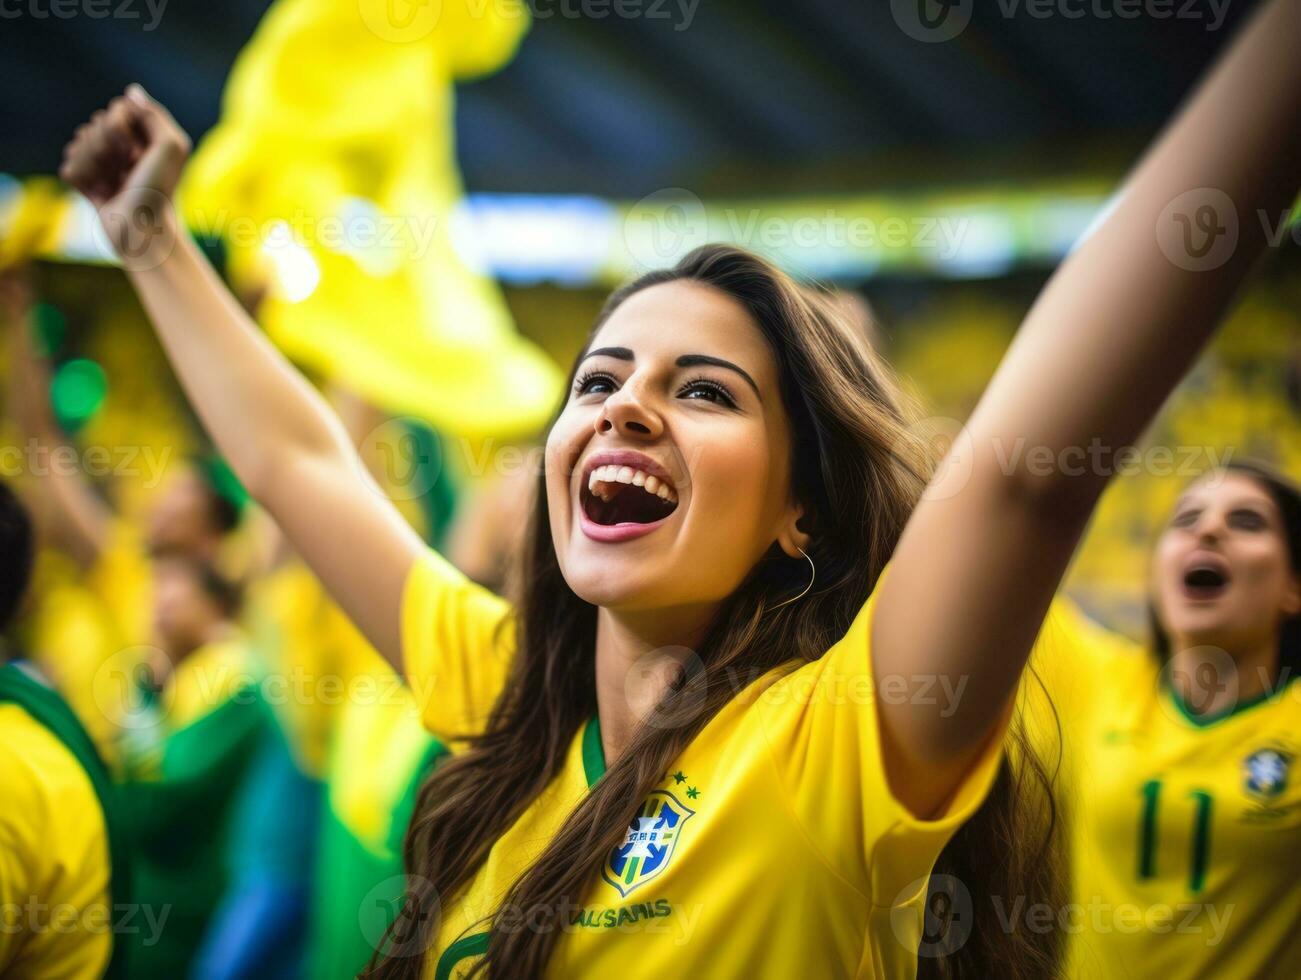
858, 470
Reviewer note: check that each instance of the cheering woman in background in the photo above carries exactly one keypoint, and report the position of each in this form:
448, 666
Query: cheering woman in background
1185, 810
670, 759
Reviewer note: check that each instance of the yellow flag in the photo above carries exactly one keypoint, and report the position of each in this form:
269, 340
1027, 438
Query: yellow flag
332, 178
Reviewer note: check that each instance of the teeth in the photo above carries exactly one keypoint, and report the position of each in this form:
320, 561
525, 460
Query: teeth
628, 475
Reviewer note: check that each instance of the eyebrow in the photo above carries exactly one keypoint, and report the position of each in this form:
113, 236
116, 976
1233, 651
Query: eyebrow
686, 360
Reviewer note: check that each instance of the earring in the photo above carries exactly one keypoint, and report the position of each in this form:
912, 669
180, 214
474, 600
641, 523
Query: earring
813, 574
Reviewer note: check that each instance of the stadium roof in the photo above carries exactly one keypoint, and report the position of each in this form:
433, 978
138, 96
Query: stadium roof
764, 96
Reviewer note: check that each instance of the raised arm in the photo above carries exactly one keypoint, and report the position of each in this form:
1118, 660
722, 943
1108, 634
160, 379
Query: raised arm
1106, 341
277, 432
64, 504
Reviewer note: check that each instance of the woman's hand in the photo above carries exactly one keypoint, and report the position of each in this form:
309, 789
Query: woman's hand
127, 160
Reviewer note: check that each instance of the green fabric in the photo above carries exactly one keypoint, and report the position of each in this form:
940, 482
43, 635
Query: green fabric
1209, 719
359, 891
181, 819
49, 710
464, 948
439, 502
593, 751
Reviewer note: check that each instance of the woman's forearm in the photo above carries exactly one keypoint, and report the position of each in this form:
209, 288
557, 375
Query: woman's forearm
257, 407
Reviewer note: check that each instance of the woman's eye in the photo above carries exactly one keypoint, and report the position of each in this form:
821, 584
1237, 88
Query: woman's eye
708, 390
1187, 519
1246, 520
600, 384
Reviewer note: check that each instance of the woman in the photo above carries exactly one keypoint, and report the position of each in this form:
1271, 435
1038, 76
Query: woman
672, 759
1185, 809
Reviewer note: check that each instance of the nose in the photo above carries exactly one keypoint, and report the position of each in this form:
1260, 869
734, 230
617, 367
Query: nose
1210, 528
625, 413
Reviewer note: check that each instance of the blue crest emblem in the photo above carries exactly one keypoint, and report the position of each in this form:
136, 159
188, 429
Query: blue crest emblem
1267, 771
648, 845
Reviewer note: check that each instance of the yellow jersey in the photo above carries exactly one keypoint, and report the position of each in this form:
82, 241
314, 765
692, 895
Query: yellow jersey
56, 913
1185, 831
773, 848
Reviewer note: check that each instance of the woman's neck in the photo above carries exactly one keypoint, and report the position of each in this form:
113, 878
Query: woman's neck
1212, 681
638, 655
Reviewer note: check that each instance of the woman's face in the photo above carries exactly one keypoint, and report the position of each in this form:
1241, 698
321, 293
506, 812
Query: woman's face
1222, 568
668, 471
183, 614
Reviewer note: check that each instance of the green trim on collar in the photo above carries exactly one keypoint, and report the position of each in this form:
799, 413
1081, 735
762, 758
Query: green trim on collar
593, 752
462, 949
1207, 720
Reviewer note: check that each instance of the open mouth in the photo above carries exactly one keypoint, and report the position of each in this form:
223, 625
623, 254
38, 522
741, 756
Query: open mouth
615, 494
1205, 581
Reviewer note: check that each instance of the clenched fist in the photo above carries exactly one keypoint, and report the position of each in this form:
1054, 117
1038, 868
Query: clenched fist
127, 160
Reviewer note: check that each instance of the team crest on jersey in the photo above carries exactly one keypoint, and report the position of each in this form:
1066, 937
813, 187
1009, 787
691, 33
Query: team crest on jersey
1267, 772
648, 846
